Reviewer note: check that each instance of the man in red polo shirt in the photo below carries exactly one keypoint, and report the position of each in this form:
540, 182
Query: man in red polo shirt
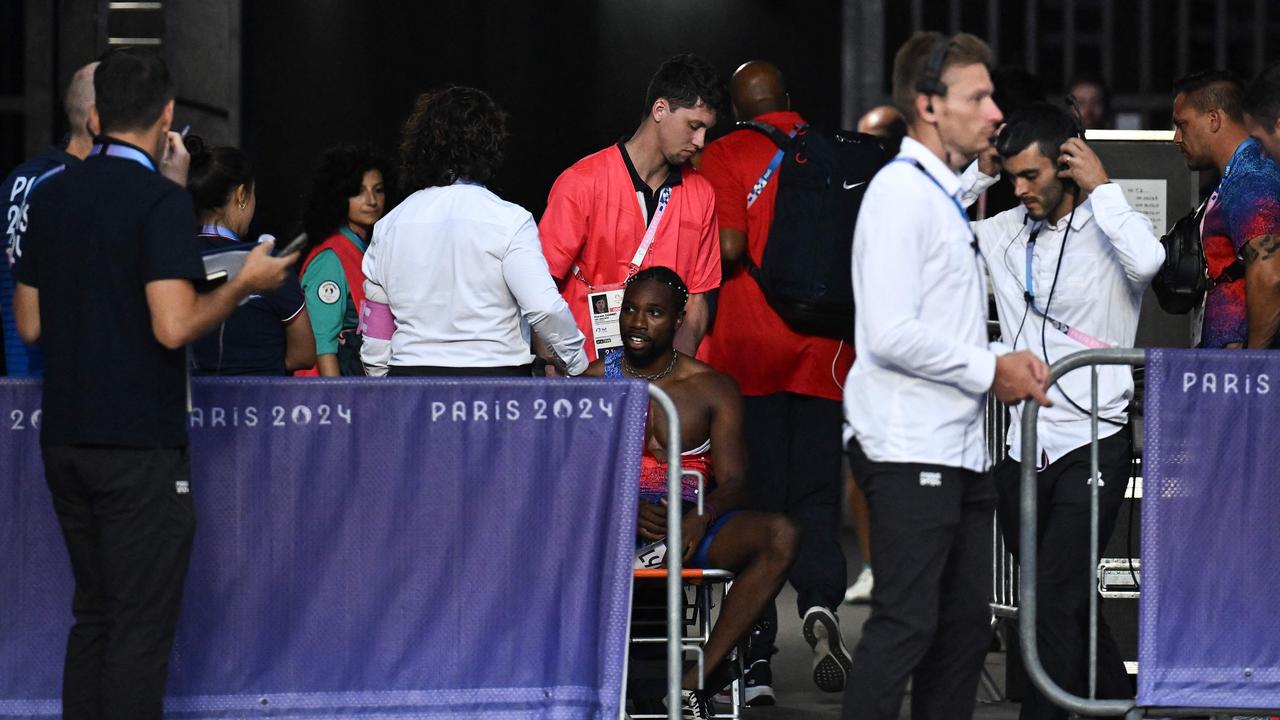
637, 204
793, 413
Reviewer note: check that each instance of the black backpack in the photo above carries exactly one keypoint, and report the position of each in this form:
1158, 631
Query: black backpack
1183, 279
805, 270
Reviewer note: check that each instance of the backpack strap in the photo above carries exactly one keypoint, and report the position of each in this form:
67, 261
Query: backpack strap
779, 138
1229, 274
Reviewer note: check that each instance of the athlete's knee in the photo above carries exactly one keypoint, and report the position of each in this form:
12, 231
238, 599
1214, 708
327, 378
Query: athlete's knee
783, 538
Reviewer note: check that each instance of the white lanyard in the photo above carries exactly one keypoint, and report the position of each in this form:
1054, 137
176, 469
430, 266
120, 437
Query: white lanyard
646, 242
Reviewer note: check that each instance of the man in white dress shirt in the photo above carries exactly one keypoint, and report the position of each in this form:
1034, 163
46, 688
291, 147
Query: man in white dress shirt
1069, 268
915, 396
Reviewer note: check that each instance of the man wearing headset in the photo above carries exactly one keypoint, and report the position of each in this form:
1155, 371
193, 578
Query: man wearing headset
1069, 267
914, 398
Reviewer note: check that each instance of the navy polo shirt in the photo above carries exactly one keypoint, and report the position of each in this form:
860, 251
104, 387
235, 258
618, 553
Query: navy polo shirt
22, 360
98, 233
252, 339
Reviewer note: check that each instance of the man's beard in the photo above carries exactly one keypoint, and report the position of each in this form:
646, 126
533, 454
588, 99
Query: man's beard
640, 358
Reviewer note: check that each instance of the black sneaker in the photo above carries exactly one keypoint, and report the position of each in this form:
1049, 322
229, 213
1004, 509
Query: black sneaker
758, 684
696, 706
831, 661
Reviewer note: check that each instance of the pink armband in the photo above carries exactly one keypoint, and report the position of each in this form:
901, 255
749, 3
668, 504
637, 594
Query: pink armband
376, 320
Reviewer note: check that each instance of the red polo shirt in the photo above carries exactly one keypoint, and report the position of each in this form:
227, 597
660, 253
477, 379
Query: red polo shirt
748, 340
594, 219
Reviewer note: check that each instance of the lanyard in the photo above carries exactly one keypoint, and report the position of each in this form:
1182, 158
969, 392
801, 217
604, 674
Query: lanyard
1031, 251
763, 182
646, 242
1084, 339
126, 152
219, 231
954, 201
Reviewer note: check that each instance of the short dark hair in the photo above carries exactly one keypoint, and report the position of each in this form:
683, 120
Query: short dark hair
336, 179
684, 81
909, 64
1214, 90
664, 276
457, 132
1262, 97
1041, 123
131, 88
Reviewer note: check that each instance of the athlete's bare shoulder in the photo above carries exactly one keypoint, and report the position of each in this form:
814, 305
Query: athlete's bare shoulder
705, 378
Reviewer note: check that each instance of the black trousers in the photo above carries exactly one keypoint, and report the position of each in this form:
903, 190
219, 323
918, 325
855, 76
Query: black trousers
793, 468
1063, 577
930, 613
128, 521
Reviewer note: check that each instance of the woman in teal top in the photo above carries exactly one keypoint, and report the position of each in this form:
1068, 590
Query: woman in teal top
346, 198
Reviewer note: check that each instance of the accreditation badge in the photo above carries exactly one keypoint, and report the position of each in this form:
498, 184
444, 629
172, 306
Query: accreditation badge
604, 305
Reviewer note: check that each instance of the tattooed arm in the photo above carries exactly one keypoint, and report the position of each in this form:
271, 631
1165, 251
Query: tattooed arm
1262, 288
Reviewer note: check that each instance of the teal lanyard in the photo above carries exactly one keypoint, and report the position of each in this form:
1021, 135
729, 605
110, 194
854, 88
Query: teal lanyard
125, 152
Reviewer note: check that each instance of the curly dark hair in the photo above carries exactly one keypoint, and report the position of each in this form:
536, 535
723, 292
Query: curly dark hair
456, 132
337, 178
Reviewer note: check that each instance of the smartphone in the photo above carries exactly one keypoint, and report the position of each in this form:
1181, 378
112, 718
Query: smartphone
294, 245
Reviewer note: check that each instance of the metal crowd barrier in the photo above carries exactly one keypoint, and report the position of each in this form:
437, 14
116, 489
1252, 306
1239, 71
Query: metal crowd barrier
1004, 568
675, 570
675, 592
1090, 706
1004, 576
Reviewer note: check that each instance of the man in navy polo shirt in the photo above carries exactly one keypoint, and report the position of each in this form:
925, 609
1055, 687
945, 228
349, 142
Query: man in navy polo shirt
105, 283
22, 360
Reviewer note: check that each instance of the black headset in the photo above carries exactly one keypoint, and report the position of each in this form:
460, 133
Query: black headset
930, 82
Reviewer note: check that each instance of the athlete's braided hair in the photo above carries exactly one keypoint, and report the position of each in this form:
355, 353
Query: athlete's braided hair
665, 276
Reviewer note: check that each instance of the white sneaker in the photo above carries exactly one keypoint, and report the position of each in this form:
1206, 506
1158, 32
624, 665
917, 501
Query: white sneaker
860, 590
831, 660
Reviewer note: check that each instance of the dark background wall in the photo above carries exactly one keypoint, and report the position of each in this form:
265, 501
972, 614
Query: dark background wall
284, 78
571, 76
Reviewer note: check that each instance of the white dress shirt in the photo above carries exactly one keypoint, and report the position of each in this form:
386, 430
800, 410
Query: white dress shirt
463, 273
915, 393
1111, 255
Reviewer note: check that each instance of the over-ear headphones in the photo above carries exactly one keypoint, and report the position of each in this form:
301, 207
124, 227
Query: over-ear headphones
930, 83
1077, 125
1077, 121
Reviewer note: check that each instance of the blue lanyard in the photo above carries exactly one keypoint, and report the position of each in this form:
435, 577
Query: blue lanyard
763, 181
1031, 251
1073, 333
219, 231
126, 152
954, 201
960, 209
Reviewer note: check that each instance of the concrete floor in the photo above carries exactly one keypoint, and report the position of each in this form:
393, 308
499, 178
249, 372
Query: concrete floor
798, 697
793, 684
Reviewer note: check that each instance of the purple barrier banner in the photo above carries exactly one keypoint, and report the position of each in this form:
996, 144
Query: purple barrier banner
388, 548
1210, 629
